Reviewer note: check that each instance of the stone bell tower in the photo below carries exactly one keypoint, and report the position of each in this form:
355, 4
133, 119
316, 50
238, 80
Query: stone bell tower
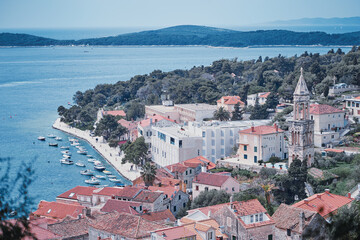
301, 131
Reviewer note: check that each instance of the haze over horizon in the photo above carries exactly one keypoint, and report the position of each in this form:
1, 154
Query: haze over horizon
146, 14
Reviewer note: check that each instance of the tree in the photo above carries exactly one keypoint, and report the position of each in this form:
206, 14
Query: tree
134, 110
272, 101
292, 184
209, 198
61, 110
148, 174
346, 223
236, 115
136, 152
106, 126
14, 201
259, 111
221, 114
356, 120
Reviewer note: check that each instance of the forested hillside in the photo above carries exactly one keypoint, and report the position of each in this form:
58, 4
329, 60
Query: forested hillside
206, 84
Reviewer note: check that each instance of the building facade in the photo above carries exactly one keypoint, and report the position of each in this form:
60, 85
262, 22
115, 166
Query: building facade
229, 102
353, 106
175, 144
261, 97
261, 143
301, 130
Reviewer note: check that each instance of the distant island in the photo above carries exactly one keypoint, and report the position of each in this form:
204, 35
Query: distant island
187, 35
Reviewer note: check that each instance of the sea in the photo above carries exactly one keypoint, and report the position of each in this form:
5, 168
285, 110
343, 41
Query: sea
34, 81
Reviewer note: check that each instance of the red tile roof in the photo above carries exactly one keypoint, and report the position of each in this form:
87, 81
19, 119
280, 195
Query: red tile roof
115, 113
79, 190
264, 94
321, 174
180, 232
249, 207
358, 97
71, 228
287, 217
323, 109
170, 191
323, 203
156, 118
109, 191
199, 160
128, 192
125, 225
231, 100
261, 130
147, 196
211, 179
177, 167
120, 206
58, 210
207, 209
161, 216
128, 124
334, 150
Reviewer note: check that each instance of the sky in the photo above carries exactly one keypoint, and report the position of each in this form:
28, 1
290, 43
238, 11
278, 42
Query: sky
163, 13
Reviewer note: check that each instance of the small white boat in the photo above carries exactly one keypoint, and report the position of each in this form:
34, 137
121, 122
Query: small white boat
80, 164
41, 138
66, 156
73, 140
99, 167
79, 147
87, 172
75, 144
58, 139
111, 176
82, 152
107, 172
91, 160
66, 152
51, 136
65, 147
114, 180
53, 144
89, 156
100, 176
66, 161
93, 181
96, 162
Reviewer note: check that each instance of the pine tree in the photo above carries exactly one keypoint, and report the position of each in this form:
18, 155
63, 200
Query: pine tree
259, 111
237, 113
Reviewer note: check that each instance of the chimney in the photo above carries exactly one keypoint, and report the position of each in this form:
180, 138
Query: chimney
301, 221
276, 127
203, 168
349, 195
306, 201
318, 196
150, 122
327, 191
252, 127
86, 212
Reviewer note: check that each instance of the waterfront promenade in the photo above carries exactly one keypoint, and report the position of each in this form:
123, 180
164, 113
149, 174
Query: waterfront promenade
109, 154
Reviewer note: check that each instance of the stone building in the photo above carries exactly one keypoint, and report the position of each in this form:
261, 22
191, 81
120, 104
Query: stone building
301, 130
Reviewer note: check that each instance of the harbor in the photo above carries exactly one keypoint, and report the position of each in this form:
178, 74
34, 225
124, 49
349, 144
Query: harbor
111, 155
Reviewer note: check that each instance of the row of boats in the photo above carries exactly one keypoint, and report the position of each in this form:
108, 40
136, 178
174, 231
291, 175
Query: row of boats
95, 178
51, 136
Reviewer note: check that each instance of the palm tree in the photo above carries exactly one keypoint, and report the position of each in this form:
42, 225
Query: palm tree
148, 174
221, 114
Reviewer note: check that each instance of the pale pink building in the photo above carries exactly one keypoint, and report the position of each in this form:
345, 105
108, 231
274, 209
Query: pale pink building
229, 102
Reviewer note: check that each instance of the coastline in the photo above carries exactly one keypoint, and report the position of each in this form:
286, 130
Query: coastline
108, 153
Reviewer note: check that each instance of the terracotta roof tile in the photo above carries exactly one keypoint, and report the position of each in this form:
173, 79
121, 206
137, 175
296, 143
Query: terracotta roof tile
79, 190
161, 216
58, 210
264, 94
288, 217
156, 118
109, 191
70, 228
211, 179
334, 150
115, 113
126, 225
129, 192
170, 191
147, 196
120, 206
323, 203
261, 130
231, 100
199, 160
128, 124
323, 109
180, 232
250, 207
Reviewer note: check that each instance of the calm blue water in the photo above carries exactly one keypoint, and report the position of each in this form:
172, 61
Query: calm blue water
35, 81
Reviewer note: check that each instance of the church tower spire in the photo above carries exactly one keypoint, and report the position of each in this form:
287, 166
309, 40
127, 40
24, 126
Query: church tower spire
301, 140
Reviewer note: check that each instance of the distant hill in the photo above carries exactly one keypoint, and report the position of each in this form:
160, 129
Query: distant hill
195, 35
350, 21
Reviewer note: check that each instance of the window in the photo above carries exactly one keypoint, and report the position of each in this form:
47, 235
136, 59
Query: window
357, 104
252, 218
206, 189
231, 133
222, 151
179, 197
231, 141
140, 208
222, 142
210, 234
180, 143
245, 148
245, 156
255, 159
162, 136
222, 133
228, 221
260, 217
172, 141
213, 151
190, 171
198, 152
197, 188
141, 132
174, 208
270, 237
256, 218
332, 136
186, 172
288, 232
203, 143
184, 204
185, 181
312, 117
255, 149
233, 189
203, 134
348, 104
212, 134
212, 142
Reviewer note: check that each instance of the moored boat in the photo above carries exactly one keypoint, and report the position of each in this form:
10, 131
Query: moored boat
100, 176
41, 138
93, 181
82, 152
107, 172
75, 144
80, 164
66, 156
114, 180
58, 139
66, 152
99, 167
53, 144
51, 136
87, 172
66, 161
65, 147
91, 160
89, 156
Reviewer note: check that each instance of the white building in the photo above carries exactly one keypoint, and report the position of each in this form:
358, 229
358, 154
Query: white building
219, 138
261, 143
262, 96
174, 144
353, 105
328, 121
